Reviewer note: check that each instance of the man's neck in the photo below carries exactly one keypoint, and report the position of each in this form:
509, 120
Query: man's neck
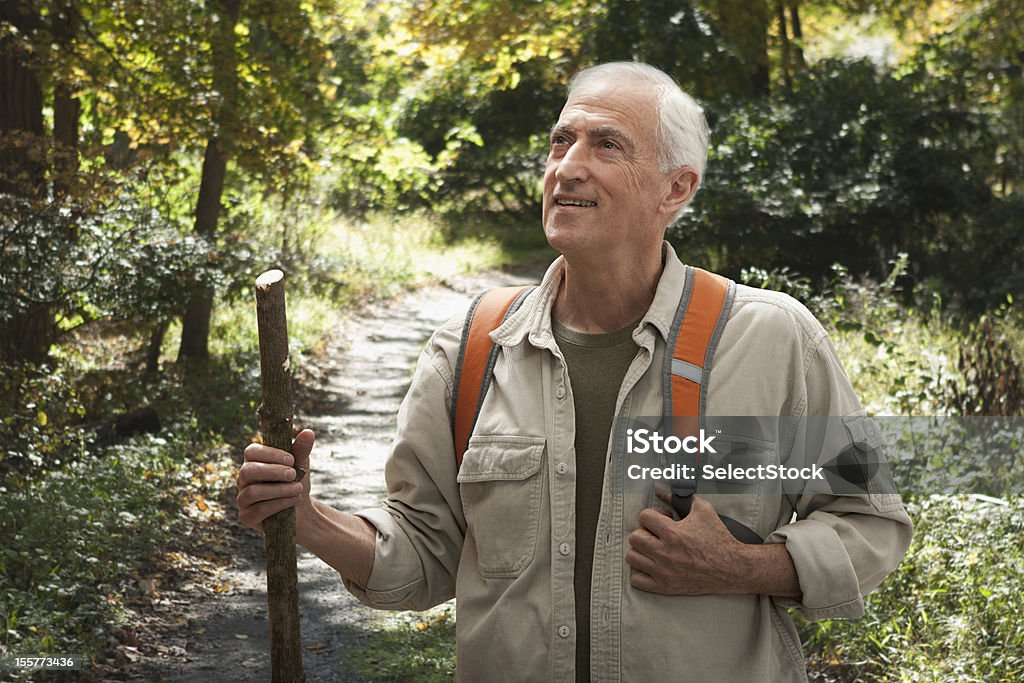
606, 294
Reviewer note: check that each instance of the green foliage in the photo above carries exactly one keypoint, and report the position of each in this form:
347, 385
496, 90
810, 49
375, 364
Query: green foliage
684, 39
39, 408
166, 55
72, 536
993, 376
950, 612
863, 163
81, 525
897, 356
411, 648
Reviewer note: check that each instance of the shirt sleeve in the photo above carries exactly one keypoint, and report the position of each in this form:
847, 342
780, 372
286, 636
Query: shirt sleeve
843, 544
420, 526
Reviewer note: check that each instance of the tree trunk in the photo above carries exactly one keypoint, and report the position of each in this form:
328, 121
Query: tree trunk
156, 341
744, 23
784, 66
195, 323
66, 107
22, 170
798, 35
26, 336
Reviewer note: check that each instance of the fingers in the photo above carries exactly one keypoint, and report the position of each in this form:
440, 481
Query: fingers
640, 562
267, 479
299, 457
253, 516
643, 581
655, 521
255, 494
642, 540
257, 452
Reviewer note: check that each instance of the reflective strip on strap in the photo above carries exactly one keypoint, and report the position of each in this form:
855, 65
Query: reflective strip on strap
691, 344
681, 368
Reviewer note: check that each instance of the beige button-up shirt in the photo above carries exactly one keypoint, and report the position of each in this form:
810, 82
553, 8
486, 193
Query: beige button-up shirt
499, 533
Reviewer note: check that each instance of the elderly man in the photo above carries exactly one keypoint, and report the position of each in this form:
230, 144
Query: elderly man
561, 569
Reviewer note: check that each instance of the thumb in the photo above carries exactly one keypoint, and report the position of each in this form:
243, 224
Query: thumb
302, 446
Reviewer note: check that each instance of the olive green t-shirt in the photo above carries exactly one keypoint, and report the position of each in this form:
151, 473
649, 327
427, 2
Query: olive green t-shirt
597, 364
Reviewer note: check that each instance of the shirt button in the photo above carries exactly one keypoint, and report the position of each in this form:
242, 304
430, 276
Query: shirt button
564, 548
562, 468
563, 631
560, 392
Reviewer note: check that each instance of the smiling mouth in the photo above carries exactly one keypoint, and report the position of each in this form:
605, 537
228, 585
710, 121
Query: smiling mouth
575, 202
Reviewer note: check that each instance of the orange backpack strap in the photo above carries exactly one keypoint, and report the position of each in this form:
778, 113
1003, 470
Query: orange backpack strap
477, 355
703, 310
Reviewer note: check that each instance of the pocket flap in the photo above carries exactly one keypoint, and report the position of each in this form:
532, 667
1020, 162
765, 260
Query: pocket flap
497, 458
863, 432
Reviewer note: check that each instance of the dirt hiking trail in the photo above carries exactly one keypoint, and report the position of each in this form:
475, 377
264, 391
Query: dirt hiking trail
351, 404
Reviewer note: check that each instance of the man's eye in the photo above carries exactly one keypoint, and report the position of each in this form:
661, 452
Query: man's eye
609, 144
559, 140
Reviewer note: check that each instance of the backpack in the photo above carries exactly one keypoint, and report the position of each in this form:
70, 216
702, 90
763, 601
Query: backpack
703, 310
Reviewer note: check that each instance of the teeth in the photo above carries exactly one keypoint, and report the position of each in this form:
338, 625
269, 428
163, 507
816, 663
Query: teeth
575, 202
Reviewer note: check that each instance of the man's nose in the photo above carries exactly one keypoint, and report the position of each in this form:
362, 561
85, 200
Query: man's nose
574, 164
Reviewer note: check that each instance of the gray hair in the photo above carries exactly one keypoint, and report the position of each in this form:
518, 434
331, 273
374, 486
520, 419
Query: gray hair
682, 134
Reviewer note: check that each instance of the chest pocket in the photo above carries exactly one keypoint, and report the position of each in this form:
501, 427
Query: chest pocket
740, 498
500, 485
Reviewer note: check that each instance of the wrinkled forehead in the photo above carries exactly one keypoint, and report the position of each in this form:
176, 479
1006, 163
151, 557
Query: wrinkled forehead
629, 106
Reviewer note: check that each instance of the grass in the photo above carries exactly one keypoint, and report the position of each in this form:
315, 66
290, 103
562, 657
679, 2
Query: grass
409, 648
950, 612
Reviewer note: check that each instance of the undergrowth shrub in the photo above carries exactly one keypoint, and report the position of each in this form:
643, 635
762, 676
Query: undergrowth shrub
70, 538
950, 612
991, 378
898, 357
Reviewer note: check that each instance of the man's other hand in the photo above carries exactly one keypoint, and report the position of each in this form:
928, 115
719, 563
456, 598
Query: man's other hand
266, 480
693, 556
698, 556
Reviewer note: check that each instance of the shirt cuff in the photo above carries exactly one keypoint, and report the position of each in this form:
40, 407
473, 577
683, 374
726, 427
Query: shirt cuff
827, 579
397, 573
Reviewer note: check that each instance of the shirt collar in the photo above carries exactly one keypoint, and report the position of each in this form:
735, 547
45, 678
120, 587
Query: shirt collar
533, 319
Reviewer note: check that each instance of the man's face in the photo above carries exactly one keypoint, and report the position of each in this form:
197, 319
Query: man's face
603, 189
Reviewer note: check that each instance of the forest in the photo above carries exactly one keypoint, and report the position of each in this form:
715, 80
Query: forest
156, 157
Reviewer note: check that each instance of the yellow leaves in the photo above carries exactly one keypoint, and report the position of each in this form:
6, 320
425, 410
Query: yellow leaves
294, 147
41, 419
200, 503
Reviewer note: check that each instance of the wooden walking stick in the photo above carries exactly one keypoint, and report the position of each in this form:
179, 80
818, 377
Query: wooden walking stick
279, 530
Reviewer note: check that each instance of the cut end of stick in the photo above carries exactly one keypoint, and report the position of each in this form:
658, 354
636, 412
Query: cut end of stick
269, 278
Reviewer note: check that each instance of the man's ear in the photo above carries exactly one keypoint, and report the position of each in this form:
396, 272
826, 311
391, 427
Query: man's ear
684, 184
